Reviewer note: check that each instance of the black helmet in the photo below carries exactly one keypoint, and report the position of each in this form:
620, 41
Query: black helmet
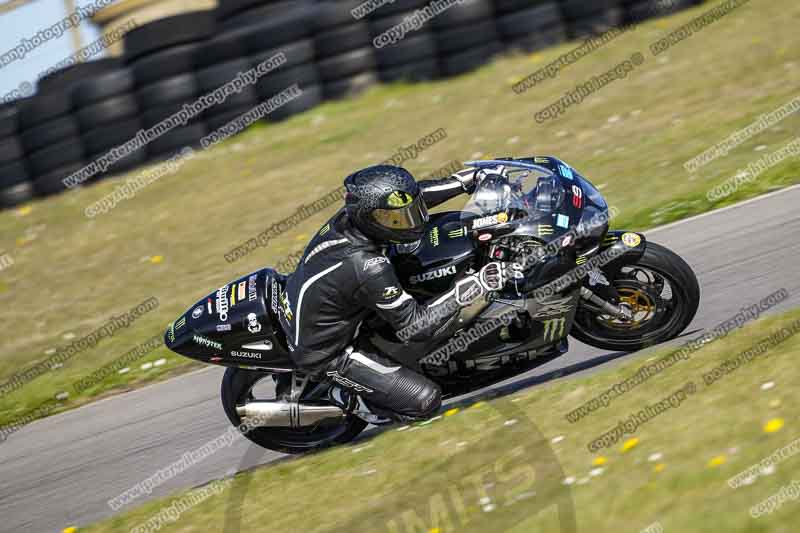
386, 204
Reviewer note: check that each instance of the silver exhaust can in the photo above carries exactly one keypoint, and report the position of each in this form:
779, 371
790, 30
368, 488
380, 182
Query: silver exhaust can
286, 414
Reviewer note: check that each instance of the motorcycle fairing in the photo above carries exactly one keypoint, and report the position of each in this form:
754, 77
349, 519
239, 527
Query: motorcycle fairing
235, 325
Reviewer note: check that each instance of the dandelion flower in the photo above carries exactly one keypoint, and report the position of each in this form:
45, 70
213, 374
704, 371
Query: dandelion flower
776, 424
630, 444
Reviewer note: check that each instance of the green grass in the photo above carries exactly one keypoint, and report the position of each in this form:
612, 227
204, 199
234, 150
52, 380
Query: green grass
71, 274
401, 476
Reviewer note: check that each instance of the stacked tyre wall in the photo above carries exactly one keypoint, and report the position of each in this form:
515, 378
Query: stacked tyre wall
80, 113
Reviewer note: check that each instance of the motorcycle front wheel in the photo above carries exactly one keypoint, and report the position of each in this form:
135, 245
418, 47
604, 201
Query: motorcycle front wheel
661, 291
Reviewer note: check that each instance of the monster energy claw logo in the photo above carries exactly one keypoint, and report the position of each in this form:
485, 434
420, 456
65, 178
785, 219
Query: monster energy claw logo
554, 328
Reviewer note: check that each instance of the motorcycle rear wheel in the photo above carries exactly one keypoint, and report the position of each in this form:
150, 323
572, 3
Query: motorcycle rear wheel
664, 294
237, 387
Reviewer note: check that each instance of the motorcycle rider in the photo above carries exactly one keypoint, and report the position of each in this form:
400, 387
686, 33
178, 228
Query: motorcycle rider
344, 276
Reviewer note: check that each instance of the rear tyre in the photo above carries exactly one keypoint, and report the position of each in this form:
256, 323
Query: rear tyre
237, 387
664, 295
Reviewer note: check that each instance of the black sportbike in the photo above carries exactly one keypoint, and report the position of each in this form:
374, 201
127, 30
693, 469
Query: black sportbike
570, 275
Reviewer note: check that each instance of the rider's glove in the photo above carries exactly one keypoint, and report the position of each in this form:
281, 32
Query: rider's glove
492, 277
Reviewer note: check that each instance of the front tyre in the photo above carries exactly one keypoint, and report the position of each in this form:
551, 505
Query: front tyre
240, 385
662, 292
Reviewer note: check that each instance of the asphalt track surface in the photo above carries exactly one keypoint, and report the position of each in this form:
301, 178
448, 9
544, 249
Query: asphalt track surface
62, 470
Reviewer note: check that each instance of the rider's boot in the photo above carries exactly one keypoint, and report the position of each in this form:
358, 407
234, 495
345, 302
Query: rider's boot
387, 388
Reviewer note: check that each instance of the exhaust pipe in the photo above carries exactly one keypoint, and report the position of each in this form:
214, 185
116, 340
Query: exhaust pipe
286, 414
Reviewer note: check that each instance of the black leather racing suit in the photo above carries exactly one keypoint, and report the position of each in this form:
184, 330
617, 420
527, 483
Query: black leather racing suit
342, 277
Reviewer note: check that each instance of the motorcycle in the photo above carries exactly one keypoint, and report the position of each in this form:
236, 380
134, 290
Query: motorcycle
570, 275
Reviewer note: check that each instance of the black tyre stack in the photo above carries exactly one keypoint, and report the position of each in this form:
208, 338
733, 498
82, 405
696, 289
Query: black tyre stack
50, 134
641, 10
345, 55
161, 56
213, 61
107, 114
466, 36
232, 14
530, 25
291, 35
585, 18
66, 77
414, 58
15, 183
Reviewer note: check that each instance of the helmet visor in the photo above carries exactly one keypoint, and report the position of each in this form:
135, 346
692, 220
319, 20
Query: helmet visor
413, 216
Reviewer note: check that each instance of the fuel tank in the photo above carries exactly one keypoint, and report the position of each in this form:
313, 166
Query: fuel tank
444, 255
236, 325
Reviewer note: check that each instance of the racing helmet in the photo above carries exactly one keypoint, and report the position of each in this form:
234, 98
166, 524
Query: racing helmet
386, 204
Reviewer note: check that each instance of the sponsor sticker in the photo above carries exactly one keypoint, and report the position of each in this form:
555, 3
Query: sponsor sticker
562, 221
202, 341
198, 312
457, 234
274, 297
577, 196
253, 325
492, 220
223, 327
242, 289
249, 355
483, 237
433, 274
566, 171
631, 240
222, 303
434, 237
251, 288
